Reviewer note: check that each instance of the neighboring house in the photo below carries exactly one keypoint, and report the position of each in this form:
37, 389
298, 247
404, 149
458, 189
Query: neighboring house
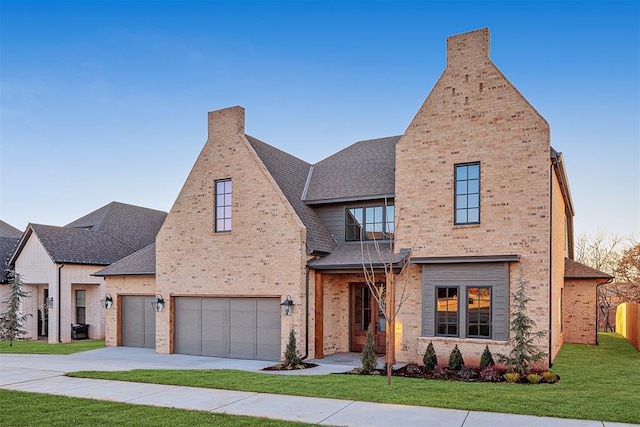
56, 264
9, 237
478, 196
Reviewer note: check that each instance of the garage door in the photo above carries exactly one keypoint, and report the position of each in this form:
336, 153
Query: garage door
138, 322
239, 328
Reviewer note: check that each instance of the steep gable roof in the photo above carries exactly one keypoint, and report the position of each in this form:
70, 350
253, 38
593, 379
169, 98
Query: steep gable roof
7, 247
7, 230
364, 170
78, 246
101, 237
134, 226
576, 270
290, 173
142, 262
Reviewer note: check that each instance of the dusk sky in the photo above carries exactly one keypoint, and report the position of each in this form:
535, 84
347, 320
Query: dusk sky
108, 101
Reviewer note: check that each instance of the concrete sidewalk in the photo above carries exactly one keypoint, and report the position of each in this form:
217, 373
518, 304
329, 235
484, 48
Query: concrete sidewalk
45, 374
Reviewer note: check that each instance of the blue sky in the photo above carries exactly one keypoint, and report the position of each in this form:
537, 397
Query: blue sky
104, 101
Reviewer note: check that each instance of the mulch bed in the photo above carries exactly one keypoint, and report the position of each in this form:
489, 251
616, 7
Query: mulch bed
287, 367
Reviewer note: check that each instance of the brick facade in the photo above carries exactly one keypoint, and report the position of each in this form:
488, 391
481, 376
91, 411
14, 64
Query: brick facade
579, 310
473, 114
263, 255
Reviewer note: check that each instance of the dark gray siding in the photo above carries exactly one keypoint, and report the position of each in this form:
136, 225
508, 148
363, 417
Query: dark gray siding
333, 215
495, 275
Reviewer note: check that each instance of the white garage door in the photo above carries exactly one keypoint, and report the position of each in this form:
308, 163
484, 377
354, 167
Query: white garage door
239, 328
138, 322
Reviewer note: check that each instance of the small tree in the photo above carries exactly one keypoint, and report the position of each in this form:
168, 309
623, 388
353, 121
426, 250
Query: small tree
291, 356
368, 355
430, 359
456, 362
12, 321
384, 268
486, 359
524, 352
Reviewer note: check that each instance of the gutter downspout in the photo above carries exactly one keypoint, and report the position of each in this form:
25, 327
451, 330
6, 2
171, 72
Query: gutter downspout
554, 162
306, 322
59, 302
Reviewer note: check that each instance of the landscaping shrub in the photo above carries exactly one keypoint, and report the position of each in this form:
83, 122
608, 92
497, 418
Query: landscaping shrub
524, 353
430, 359
534, 378
368, 355
512, 377
550, 377
467, 373
491, 374
456, 362
486, 359
291, 356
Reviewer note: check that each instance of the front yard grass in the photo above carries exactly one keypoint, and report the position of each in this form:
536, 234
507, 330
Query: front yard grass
35, 409
597, 383
42, 347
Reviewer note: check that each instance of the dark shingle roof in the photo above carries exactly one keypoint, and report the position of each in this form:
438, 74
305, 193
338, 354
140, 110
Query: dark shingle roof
79, 246
364, 170
135, 226
576, 270
7, 247
102, 237
142, 262
7, 230
352, 255
290, 173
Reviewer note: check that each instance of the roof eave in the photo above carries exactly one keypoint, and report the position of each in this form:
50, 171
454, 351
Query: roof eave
350, 199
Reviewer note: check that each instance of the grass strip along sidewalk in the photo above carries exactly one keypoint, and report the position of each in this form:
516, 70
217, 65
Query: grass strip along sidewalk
42, 347
597, 383
36, 409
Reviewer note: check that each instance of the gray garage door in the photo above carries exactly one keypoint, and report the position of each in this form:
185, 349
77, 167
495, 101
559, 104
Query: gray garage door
138, 322
239, 328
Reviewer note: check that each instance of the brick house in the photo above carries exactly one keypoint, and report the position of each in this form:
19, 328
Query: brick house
57, 263
472, 196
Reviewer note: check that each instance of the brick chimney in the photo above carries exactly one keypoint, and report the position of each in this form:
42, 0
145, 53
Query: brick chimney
468, 48
225, 122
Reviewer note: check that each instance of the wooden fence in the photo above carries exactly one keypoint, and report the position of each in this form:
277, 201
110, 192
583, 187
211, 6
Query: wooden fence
628, 322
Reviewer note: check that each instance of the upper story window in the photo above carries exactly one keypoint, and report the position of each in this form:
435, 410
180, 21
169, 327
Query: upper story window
370, 223
223, 205
467, 193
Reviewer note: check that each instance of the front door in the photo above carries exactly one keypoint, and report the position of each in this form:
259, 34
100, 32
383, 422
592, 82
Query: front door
44, 331
364, 312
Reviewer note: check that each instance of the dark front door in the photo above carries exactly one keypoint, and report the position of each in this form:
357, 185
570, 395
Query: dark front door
365, 312
45, 318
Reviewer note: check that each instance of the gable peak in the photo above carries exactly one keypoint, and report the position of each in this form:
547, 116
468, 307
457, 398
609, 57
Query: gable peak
473, 45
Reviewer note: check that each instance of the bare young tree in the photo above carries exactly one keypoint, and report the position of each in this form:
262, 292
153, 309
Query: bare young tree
605, 252
626, 286
383, 269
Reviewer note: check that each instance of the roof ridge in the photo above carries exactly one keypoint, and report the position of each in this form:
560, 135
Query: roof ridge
306, 184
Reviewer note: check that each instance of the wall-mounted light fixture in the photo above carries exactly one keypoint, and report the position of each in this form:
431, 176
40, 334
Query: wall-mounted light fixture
157, 303
287, 306
107, 301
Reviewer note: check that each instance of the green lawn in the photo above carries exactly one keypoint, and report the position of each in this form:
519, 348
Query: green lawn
597, 382
42, 347
35, 409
